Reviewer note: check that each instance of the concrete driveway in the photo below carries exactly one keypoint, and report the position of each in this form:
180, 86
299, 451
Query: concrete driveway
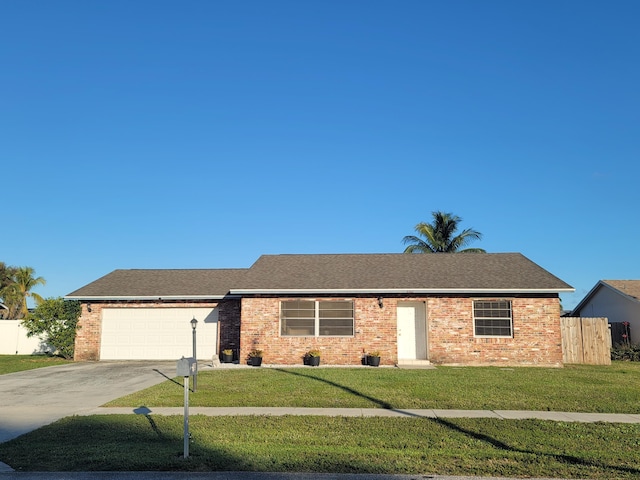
31, 399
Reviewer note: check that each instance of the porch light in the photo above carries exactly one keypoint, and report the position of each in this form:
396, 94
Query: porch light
380, 304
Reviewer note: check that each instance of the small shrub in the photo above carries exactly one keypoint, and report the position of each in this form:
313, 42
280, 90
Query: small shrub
255, 353
313, 353
57, 320
629, 352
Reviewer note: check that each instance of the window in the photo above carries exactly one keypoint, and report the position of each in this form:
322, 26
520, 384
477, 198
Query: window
492, 318
313, 318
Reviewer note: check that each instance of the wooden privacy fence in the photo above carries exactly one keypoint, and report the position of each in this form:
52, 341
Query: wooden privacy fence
586, 340
620, 333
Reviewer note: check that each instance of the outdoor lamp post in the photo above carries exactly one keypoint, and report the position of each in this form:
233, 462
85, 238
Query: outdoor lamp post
194, 324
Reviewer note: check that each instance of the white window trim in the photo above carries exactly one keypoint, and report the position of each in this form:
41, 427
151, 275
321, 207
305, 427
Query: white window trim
473, 308
316, 322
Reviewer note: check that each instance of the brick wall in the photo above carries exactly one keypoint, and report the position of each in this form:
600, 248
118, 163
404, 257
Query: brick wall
536, 334
374, 330
87, 343
536, 340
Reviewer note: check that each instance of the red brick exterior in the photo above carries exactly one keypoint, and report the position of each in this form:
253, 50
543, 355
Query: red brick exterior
89, 330
260, 329
536, 339
450, 339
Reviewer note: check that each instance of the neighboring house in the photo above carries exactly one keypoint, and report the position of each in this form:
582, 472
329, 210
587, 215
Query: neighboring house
461, 309
618, 300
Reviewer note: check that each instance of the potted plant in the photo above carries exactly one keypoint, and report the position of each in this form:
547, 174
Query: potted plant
255, 358
373, 359
227, 356
312, 358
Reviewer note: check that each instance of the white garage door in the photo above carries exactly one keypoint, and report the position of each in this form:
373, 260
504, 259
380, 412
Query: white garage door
157, 333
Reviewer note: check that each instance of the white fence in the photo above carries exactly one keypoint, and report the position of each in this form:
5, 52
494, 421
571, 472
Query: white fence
14, 340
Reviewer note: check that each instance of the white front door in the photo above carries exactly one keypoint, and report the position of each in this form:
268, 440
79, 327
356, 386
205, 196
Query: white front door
412, 331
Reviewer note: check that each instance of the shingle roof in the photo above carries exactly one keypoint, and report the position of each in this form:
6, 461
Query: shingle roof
187, 283
394, 272
357, 273
630, 288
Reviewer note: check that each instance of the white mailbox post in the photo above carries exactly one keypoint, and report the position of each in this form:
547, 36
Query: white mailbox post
186, 367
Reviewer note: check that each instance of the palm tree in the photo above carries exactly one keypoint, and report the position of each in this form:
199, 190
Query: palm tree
439, 236
5, 281
7, 291
24, 282
6, 277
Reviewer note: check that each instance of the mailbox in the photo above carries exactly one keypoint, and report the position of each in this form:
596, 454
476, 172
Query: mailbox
186, 367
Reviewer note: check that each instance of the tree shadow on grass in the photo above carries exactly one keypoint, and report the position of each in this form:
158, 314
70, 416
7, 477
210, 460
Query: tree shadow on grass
380, 403
128, 443
109, 443
560, 458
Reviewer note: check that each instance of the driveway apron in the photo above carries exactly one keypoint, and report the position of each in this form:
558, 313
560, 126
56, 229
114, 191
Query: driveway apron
33, 398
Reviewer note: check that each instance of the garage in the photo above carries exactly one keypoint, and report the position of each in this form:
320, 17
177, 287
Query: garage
157, 333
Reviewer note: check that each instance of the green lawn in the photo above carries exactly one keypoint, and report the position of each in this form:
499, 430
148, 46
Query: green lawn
18, 363
483, 447
576, 388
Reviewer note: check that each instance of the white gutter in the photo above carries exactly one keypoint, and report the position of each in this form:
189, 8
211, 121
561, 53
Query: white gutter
306, 291
398, 290
146, 297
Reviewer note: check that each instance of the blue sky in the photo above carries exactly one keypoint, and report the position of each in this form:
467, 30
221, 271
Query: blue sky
203, 134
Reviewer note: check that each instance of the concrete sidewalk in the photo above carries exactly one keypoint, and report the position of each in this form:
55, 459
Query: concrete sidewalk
374, 412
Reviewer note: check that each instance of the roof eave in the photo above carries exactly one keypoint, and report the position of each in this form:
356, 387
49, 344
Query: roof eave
587, 297
290, 291
620, 292
601, 284
96, 298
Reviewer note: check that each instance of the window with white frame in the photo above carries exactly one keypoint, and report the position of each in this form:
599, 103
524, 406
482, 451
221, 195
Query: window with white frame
316, 318
492, 318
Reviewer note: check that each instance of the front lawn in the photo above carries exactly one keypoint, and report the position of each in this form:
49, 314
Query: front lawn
574, 388
18, 363
482, 447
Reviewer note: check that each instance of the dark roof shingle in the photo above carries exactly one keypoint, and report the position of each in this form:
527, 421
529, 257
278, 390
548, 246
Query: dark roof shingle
630, 288
139, 283
441, 271
507, 272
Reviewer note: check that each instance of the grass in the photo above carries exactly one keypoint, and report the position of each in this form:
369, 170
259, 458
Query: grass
19, 363
575, 388
483, 447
